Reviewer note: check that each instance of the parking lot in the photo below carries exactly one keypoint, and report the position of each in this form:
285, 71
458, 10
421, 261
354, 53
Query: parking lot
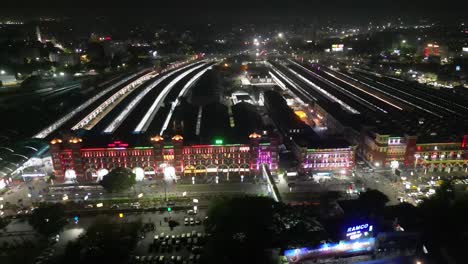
180, 244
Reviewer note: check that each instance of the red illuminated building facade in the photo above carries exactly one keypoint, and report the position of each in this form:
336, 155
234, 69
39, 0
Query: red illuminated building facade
420, 154
73, 161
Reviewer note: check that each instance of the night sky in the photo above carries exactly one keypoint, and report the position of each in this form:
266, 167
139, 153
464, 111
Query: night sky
185, 9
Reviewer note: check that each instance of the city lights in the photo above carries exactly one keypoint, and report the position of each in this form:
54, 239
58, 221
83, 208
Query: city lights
254, 122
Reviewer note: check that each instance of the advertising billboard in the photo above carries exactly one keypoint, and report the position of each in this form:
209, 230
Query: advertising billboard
332, 250
337, 47
359, 231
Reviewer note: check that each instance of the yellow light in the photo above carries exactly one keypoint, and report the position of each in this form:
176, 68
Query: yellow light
121, 215
157, 138
254, 135
301, 114
177, 137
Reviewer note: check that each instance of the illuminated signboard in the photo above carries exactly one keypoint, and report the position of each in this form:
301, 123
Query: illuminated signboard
337, 47
119, 144
359, 231
332, 250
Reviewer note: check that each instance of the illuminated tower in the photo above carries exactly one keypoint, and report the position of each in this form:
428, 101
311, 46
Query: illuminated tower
254, 151
76, 161
55, 152
178, 142
38, 34
158, 146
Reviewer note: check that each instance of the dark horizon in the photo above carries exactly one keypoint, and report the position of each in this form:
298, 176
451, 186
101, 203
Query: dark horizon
216, 11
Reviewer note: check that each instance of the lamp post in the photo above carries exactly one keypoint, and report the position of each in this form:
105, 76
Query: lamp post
165, 190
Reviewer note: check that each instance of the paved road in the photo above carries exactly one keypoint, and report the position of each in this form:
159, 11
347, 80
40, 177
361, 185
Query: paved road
378, 180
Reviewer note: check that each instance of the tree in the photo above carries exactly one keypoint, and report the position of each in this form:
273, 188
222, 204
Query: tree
105, 241
4, 222
373, 202
242, 229
118, 180
444, 217
48, 219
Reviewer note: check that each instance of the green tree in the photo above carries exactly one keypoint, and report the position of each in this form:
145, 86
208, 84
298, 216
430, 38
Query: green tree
4, 222
373, 202
107, 240
118, 180
444, 228
242, 229
48, 219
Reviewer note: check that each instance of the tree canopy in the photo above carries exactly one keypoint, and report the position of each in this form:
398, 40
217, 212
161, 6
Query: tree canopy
48, 219
118, 180
105, 241
373, 202
444, 216
242, 229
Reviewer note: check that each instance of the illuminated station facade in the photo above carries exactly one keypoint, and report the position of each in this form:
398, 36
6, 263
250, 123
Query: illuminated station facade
423, 153
161, 158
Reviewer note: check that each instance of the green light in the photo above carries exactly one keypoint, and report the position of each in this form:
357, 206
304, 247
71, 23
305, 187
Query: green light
169, 209
219, 141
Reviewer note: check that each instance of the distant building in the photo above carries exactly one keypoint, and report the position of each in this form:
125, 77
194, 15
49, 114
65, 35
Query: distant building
333, 157
6, 80
64, 59
420, 153
258, 75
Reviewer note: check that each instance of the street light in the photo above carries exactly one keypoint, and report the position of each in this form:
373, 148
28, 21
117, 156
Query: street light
2, 72
280, 35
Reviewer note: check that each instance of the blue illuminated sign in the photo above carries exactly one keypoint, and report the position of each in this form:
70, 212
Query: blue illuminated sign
330, 250
358, 231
